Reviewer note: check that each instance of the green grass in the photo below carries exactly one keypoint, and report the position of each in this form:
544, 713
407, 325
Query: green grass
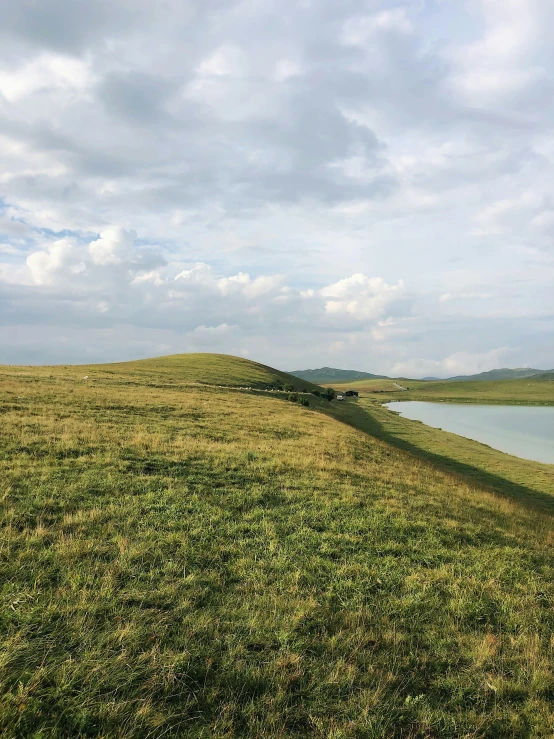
183, 560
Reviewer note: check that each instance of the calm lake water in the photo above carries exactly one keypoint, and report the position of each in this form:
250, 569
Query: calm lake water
524, 431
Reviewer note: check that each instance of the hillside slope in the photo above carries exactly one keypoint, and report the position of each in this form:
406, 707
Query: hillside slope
331, 374
545, 376
184, 560
209, 369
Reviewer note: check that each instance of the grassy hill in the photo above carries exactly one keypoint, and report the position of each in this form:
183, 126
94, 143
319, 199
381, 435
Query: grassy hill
329, 375
185, 560
214, 369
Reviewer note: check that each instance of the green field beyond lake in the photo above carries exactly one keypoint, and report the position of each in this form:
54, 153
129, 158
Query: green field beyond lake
523, 431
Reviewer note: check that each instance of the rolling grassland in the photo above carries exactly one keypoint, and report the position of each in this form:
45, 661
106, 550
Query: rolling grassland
185, 560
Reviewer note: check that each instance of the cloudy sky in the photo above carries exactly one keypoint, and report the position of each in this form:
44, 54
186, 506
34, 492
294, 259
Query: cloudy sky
363, 184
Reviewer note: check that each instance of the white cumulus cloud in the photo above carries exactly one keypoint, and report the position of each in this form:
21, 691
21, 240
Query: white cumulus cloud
367, 184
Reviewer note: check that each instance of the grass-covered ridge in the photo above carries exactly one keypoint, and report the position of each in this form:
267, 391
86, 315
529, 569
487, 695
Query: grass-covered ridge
211, 369
503, 373
183, 560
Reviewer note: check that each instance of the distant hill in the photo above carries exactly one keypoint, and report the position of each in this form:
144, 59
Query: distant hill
546, 376
502, 374
331, 374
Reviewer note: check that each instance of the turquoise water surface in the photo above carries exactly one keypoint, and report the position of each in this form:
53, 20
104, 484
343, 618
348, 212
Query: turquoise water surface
524, 431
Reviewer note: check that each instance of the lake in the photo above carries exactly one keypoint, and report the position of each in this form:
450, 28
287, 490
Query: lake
524, 431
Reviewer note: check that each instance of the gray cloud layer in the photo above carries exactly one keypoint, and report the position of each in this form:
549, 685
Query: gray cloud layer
361, 184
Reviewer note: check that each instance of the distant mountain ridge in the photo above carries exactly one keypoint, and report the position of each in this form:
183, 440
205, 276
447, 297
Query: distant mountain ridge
502, 374
332, 374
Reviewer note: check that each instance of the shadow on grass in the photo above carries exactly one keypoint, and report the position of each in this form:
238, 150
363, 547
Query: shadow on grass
363, 420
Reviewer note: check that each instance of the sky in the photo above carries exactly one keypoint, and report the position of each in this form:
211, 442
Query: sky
356, 184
